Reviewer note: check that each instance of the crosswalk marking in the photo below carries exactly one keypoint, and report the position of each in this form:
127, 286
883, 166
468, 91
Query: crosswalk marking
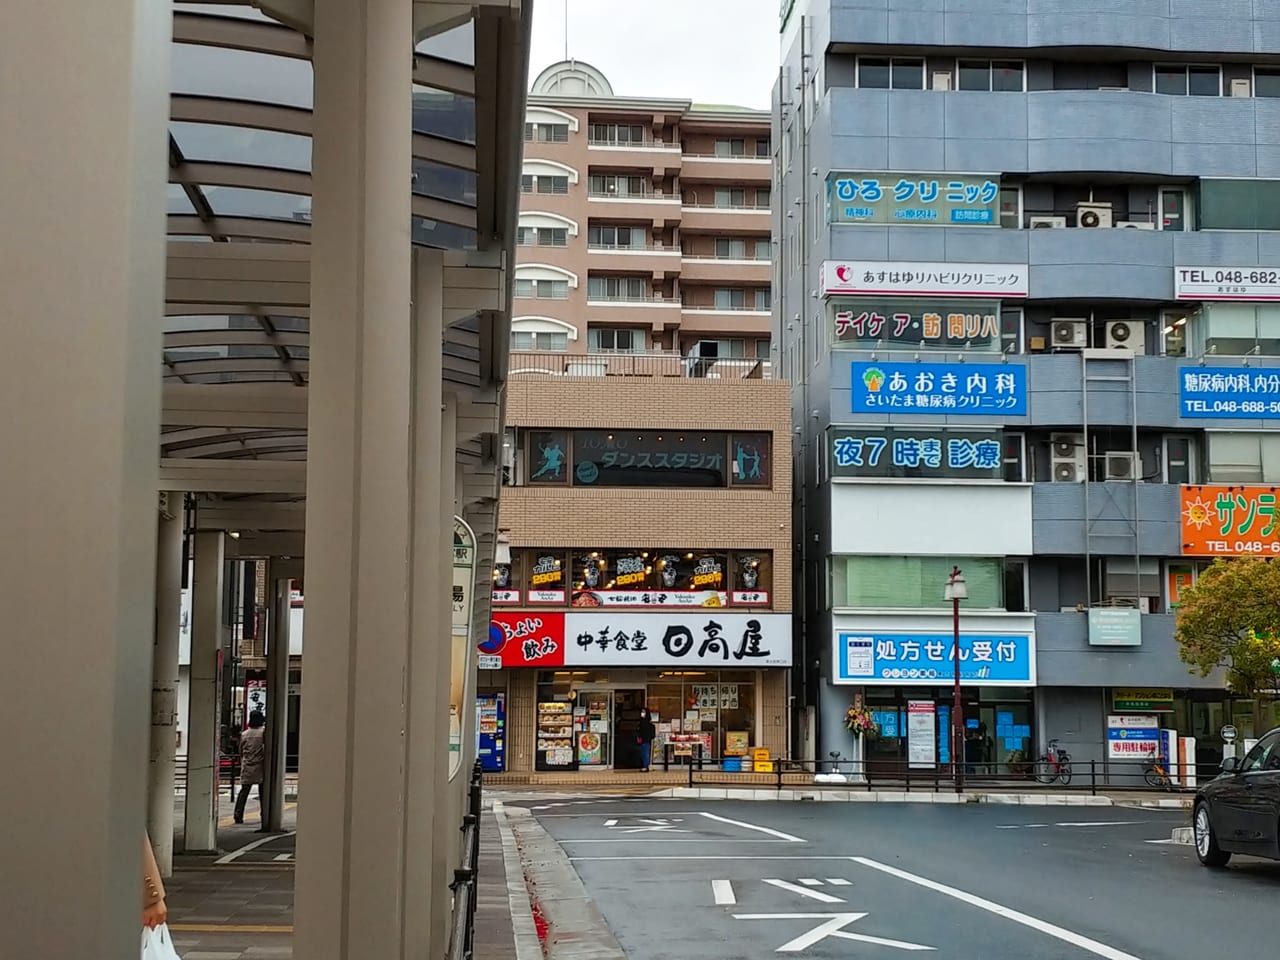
810, 882
722, 890
839, 882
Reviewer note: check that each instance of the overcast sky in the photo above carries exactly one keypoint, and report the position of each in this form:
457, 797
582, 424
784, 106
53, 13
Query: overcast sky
707, 51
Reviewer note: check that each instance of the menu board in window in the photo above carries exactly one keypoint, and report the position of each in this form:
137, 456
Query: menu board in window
555, 738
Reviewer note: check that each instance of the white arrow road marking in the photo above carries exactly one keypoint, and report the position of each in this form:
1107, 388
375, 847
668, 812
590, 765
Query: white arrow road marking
657, 828
805, 891
611, 823
751, 826
1035, 923
722, 890
833, 926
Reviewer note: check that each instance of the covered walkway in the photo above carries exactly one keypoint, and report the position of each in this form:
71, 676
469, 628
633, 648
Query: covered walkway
254, 276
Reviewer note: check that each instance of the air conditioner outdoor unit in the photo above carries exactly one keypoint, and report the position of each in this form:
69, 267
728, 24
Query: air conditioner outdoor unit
1069, 332
1047, 223
1093, 215
1122, 466
1127, 335
1068, 457
941, 80
1135, 225
1241, 87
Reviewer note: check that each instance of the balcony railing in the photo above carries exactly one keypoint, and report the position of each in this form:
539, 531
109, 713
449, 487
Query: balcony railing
693, 205
628, 248
727, 308
647, 143
540, 364
630, 298
656, 195
712, 258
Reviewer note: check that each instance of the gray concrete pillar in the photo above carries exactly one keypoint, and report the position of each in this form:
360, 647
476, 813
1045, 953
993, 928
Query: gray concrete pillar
164, 684
82, 188
351, 899
200, 825
448, 846
277, 695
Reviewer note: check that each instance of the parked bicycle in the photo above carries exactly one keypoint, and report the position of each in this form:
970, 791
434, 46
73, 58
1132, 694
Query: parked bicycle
1155, 773
1054, 764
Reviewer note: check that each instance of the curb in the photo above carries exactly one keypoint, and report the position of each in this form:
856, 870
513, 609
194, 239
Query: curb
885, 796
576, 930
523, 929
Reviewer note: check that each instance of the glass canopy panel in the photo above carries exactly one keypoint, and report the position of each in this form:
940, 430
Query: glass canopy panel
185, 324
217, 143
444, 114
289, 323
446, 236
458, 44
262, 204
240, 75
177, 201
447, 183
181, 355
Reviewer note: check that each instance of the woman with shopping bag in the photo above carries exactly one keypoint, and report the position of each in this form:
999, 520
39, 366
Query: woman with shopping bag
156, 943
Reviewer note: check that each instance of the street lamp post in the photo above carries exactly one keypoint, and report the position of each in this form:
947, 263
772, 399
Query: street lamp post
955, 591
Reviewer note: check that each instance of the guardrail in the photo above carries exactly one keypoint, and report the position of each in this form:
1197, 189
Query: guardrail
539, 364
1085, 776
462, 930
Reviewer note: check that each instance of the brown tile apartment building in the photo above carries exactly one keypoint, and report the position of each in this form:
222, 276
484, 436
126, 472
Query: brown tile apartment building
648, 456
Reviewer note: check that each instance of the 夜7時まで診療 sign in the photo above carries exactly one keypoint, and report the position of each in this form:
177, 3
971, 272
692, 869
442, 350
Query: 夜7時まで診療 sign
955, 389
935, 199
907, 453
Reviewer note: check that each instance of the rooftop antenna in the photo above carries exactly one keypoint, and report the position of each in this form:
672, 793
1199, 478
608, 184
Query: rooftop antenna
566, 29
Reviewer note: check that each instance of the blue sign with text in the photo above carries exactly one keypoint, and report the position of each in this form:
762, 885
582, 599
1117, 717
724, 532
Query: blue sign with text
990, 660
998, 389
951, 199
1229, 392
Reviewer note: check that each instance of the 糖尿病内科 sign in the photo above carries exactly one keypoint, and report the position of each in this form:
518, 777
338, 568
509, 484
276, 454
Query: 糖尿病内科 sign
904, 452
863, 324
697, 637
867, 278
1230, 521
1242, 393
1226, 283
876, 658
1142, 699
914, 198
991, 389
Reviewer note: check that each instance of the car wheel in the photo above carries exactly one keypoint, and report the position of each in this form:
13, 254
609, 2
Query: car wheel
1207, 849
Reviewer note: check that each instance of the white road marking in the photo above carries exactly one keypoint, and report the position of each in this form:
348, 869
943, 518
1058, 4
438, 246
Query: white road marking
1166, 840
722, 890
1020, 826
751, 826
237, 854
810, 882
832, 926
839, 882
1035, 923
1100, 823
617, 839
611, 823
281, 857
804, 891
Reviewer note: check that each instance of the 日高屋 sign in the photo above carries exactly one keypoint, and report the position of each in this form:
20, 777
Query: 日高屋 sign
911, 198
993, 389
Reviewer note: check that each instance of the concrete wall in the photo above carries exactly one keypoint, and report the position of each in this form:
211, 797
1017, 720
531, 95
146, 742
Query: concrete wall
1064, 657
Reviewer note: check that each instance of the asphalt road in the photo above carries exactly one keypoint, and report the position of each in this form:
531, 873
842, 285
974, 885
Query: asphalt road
737, 881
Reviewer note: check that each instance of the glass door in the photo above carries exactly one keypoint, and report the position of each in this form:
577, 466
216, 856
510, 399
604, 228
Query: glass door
595, 728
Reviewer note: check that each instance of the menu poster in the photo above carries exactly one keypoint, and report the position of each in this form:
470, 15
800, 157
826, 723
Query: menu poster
921, 730
737, 743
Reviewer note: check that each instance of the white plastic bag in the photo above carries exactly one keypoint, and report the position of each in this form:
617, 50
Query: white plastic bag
157, 944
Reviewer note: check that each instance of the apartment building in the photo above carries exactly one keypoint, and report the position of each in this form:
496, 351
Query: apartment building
1028, 308
646, 521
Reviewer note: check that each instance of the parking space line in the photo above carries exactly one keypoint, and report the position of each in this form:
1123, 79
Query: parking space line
1035, 923
752, 826
804, 891
722, 890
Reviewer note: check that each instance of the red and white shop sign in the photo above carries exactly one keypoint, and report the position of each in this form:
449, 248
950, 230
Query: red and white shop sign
699, 637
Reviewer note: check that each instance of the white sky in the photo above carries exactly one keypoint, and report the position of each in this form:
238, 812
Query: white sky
707, 51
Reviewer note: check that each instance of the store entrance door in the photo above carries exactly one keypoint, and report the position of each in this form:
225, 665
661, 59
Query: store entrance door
594, 728
627, 705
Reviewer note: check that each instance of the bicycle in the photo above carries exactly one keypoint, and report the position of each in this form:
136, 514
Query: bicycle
1155, 773
1054, 764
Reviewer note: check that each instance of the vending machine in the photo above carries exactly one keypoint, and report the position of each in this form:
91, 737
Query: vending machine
491, 728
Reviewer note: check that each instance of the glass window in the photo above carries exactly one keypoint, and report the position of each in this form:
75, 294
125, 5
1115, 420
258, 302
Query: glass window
907, 74
1007, 75
1171, 79
975, 75
526, 183
731, 147
524, 238
1239, 204
547, 453
1229, 329
763, 197
1011, 207
617, 288
873, 74
731, 197
914, 582
669, 458
553, 237
544, 570
764, 249
1265, 755
763, 147
1266, 81
728, 249
1204, 81
543, 289
728, 299
553, 132
552, 184
751, 460
539, 340
763, 299
616, 339
1174, 325
753, 573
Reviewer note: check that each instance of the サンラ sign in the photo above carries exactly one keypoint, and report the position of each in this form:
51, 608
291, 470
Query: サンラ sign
1230, 521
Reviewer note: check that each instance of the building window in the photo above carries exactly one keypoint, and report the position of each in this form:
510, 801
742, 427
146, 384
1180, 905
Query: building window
719, 349
762, 348
546, 132
607, 237
750, 466
764, 148
731, 147
1179, 460
542, 236
1236, 330
1174, 324
730, 299
1239, 204
610, 185
616, 134
1014, 457
526, 183
763, 198
1180, 80
999, 75
1243, 458
553, 184
728, 248
547, 454
897, 73
1011, 207
1266, 81
914, 583
537, 340
543, 289
615, 340
764, 298
731, 197
764, 249
618, 288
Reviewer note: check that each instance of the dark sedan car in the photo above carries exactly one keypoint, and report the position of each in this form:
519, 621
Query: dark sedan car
1239, 811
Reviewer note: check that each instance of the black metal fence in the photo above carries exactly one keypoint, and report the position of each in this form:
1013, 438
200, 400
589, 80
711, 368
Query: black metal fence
465, 877
1086, 776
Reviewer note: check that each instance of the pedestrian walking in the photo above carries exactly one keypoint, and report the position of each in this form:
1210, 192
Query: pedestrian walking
645, 732
253, 762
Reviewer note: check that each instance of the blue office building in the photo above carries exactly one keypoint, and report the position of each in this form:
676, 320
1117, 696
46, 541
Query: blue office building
1028, 295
